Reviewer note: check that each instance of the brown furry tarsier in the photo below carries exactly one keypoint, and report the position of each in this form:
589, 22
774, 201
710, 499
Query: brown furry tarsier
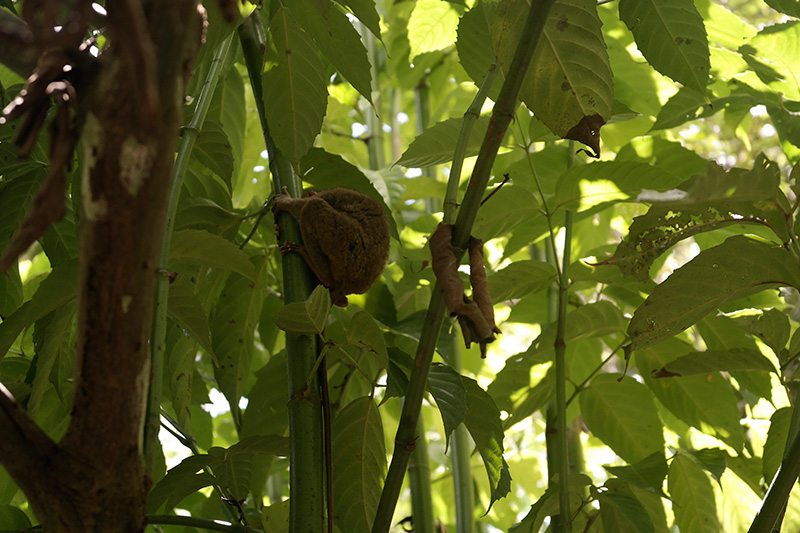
345, 238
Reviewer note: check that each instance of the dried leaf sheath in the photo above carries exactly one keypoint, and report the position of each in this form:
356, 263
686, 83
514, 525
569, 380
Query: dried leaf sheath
476, 318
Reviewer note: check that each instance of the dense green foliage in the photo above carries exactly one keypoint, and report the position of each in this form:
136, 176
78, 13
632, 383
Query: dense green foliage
677, 330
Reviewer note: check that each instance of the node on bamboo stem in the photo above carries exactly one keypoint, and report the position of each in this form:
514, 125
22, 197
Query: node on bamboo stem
345, 238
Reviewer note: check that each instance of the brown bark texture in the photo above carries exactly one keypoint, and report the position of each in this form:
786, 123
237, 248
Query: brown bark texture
95, 479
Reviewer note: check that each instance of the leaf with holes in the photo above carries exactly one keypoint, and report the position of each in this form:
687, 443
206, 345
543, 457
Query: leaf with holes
738, 267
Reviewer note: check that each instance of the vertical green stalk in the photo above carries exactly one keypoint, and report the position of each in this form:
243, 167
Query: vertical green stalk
778, 493
563, 523
306, 461
462, 468
159, 329
422, 102
374, 126
498, 124
419, 481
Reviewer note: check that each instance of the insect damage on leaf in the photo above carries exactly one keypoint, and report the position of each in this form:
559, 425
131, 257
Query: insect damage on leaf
476, 317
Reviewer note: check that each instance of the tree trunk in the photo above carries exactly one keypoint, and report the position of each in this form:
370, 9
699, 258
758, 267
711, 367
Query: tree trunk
95, 479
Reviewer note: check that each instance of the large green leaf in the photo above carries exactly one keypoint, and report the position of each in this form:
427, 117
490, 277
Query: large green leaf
772, 55
712, 361
706, 402
671, 35
649, 473
628, 179
326, 171
707, 202
623, 514
359, 464
572, 76
432, 26
592, 320
366, 12
437, 143
266, 412
307, 317
775, 446
450, 394
181, 481
622, 414
186, 309
482, 420
206, 249
237, 463
295, 91
233, 331
51, 338
337, 39
692, 496
738, 267
789, 7
181, 351
509, 207
55, 291
364, 331
214, 151
474, 44
771, 326
521, 278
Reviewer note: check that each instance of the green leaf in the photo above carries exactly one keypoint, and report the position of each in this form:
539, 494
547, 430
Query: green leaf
508, 208
266, 412
233, 331
692, 496
437, 144
771, 55
447, 389
205, 215
548, 505
363, 330
338, 40
775, 446
359, 464
710, 200
306, 317
622, 414
213, 150
186, 309
713, 460
432, 26
788, 7
181, 481
622, 513
521, 278
628, 179
181, 351
57, 289
474, 45
671, 35
238, 462
712, 361
51, 339
206, 249
482, 420
705, 402
649, 473
366, 12
771, 326
572, 75
588, 321
60, 242
738, 267
295, 90
326, 171
13, 518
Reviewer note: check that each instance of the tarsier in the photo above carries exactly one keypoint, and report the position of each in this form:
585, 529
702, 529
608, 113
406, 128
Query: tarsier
345, 238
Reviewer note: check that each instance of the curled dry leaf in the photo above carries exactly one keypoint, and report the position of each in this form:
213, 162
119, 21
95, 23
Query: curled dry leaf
475, 317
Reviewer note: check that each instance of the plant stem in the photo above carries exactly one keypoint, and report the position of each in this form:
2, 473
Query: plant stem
778, 493
199, 523
159, 329
462, 467
501, 117
374, 127
419, 481
306, 479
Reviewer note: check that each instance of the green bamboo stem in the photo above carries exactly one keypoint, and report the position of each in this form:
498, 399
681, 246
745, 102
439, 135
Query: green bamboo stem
377, 158
159, 329
419, 481
501, 117
462, 465
778, 493
306, 460
204, 524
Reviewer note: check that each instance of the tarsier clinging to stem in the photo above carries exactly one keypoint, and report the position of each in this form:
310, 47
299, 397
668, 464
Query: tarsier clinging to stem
345, 238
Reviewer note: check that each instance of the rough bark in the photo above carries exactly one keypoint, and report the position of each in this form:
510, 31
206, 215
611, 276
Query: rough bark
95, 479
